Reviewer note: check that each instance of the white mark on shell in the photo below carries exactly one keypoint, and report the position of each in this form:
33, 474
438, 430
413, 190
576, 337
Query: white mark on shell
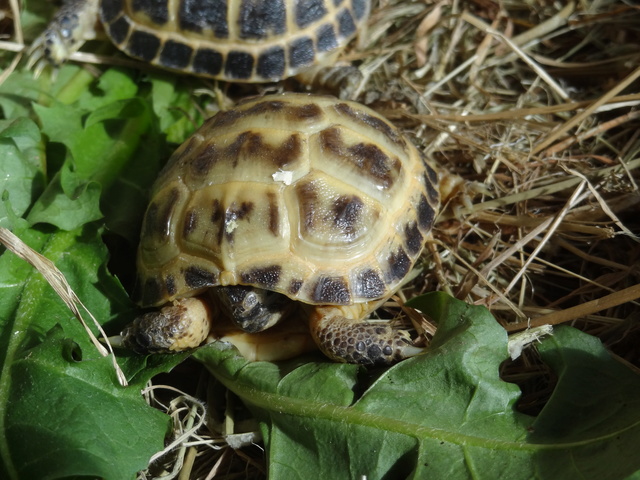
230, 225
284, 176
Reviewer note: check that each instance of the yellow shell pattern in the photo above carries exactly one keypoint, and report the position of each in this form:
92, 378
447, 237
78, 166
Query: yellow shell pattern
319, 199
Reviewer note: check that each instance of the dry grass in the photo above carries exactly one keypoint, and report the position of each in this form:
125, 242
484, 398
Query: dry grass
529, 110
533, 105
533, 109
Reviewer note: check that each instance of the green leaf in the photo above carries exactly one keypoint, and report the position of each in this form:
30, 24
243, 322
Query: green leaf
22, 132
595, 409
68, 202
20, 168
114, 85
101, 141
174, 107
56, 391
81, 420
101, 145
444, 414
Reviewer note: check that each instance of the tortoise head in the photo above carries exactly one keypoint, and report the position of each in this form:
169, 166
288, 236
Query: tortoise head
252, 309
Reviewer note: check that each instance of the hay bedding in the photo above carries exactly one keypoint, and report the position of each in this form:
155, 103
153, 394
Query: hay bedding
533, 105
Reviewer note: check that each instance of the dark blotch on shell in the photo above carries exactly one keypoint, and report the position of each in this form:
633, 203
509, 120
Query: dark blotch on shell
375, 163
225, 119
373, 122
360, 8
271, 63
368, 158
286, 153
260, 20
426, 214
175, 55
274, 214
207, 62
119, 30
143, 45
347, 210
196, 15
190, 223
211, 154
261, 108
216, 211
413, 238
369, 284
170, 285
301, 52
326, 38
204, 161
110, 10
232, 214
309, 11
294, 286
239, 65
399, 264
243, 211
346, 25
266, 277
331, 291
308, 200
197, 277
310, 111
430, 182
158, 12
228, 118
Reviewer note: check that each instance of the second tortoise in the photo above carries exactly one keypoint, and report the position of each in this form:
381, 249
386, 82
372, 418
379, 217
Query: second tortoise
233, 40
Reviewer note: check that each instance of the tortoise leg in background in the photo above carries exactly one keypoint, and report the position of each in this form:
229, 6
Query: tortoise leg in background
340, 80
74, 24
344, 334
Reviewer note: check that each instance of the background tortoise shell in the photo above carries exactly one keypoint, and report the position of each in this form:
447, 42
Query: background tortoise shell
319, 199
243, 40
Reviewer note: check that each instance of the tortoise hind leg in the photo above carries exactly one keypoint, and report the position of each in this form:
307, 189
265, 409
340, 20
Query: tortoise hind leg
344, 336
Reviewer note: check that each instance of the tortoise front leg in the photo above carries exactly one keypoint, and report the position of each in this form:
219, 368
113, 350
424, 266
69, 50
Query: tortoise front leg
179, 326
345, 335
74, 24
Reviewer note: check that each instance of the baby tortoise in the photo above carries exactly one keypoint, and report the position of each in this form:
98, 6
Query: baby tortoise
288, 205
233, 40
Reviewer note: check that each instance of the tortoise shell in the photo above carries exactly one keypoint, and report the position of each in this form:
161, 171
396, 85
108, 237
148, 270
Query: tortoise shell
319, 199
241, 40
